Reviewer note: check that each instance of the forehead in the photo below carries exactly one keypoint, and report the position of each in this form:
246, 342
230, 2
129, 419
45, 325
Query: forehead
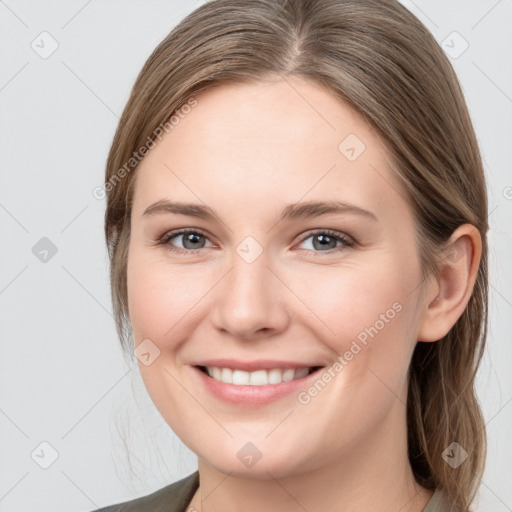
280, 141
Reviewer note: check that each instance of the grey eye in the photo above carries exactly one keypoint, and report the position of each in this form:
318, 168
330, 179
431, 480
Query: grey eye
192, 240
322, 242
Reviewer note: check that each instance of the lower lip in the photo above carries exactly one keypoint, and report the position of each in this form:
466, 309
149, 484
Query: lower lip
253, 395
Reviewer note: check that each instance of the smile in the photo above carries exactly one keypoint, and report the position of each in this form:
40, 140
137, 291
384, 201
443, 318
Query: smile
256, 378
250, 384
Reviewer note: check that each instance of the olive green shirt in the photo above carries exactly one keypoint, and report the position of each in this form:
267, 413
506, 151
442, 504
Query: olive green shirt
177, 496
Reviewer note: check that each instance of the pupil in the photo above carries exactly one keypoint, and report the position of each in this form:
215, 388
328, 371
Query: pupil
325, 239
192, 237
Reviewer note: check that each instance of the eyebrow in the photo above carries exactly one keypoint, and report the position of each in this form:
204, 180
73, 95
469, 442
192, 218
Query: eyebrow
303, 210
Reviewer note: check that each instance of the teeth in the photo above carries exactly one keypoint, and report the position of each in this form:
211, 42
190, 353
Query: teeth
302, 372
274, 376
226, 375
258, 377
240, 378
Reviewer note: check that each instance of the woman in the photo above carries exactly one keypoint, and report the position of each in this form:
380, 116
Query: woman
296, 224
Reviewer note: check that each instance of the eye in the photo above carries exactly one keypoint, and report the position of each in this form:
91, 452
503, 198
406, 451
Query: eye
192, 240
327, 240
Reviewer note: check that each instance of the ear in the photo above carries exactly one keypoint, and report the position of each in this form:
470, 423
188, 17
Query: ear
446, 297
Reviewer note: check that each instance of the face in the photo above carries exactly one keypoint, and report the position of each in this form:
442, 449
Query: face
266, 279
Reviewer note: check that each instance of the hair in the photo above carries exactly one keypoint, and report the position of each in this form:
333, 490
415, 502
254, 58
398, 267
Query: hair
379, 58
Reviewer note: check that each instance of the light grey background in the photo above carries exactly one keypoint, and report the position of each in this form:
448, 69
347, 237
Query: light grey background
63, 379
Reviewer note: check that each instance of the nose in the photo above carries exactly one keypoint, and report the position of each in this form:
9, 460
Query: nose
251, 301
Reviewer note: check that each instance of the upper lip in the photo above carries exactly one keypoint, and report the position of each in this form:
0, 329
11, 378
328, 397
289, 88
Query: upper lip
248, 366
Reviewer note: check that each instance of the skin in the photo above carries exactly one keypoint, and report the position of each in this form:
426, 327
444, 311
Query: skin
246, 151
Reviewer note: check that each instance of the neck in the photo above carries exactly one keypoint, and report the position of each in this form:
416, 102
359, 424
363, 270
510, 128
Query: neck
372, 475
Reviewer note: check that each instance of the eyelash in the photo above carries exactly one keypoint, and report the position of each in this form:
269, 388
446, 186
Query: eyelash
339, 237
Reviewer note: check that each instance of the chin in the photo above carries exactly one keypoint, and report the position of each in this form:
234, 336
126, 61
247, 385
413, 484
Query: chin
247, 462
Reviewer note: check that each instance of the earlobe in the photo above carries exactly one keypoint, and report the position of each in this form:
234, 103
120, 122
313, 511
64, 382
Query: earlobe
453, 288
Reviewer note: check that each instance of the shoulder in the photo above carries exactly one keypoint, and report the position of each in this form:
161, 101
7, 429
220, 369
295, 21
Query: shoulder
171, 498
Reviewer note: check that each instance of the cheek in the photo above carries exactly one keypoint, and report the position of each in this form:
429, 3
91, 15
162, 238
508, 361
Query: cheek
366, 315
343, 302
162, 303
161, 298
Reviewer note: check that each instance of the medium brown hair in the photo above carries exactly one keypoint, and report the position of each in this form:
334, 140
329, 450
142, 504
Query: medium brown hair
380, 59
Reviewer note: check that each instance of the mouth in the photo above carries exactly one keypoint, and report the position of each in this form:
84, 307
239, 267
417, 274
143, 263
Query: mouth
262, 377
254, 382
